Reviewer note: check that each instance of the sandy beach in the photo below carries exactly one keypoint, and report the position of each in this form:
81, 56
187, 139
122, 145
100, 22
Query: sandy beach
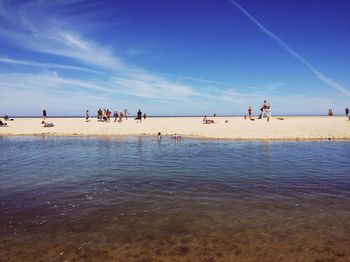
290, 128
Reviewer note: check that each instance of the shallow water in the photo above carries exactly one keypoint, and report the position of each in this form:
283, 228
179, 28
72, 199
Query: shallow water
137, 199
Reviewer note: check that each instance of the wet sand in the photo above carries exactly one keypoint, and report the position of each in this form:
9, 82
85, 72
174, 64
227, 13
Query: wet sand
284, 128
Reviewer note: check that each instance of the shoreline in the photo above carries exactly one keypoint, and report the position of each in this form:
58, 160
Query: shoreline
285, 128
167, 136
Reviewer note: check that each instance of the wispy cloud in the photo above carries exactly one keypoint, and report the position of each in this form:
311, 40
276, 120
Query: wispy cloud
47, 65
49, 31
51, 34
28, 28
328, 81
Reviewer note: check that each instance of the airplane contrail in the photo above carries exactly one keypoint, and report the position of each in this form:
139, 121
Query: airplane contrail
328, 81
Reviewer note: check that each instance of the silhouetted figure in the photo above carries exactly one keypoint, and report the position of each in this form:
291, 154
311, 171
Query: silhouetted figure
126, 114
250, 112
87, 116
139, 116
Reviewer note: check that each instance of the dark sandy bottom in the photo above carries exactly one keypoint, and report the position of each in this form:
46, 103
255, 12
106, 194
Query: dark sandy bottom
179, 230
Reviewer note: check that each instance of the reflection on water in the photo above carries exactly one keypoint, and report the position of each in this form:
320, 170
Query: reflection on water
137, 199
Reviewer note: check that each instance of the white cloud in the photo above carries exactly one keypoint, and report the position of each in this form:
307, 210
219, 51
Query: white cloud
56, 36
47, 65
37, 26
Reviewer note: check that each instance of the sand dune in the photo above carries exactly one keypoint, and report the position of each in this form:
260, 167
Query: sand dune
306, 127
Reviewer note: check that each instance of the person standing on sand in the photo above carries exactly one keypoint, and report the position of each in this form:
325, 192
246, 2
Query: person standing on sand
115, 116
250, 112
266, 110
121, 115
44, 114
108, 115
139, 116
87, 116
347, 111
144, 116
126, 114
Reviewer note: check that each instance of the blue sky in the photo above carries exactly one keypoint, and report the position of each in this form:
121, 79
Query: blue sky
174, 57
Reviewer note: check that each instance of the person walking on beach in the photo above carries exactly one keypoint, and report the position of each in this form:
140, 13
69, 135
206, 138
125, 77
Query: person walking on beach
44, 114
347, 111
139, 116
144, 116
266, 110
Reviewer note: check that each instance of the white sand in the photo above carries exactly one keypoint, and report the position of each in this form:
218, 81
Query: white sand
237, 128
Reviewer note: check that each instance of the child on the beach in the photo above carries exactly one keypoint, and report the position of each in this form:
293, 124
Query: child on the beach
250, 112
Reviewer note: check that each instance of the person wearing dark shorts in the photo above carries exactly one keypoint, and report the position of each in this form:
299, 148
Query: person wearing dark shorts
250, 112
87, 116
44, 114
139, 116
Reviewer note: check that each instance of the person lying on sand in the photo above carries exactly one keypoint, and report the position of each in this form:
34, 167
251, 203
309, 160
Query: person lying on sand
207, 121
2, 124
46, 124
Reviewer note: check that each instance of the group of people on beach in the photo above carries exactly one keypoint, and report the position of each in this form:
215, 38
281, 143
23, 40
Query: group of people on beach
45, 123
105, 115
265, 111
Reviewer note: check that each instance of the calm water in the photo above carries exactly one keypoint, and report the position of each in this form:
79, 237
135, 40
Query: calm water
137, 199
